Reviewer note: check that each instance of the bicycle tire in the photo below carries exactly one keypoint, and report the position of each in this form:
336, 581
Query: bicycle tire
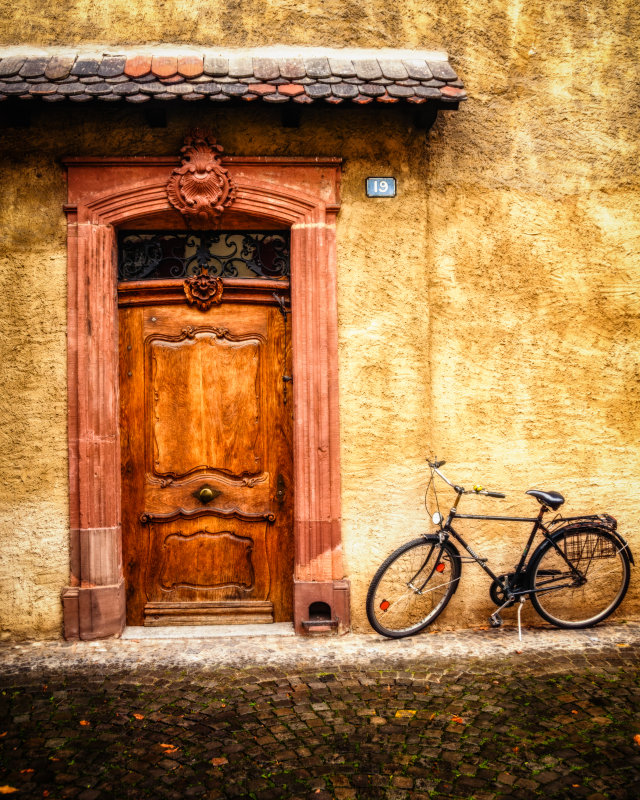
564, 600
395, 610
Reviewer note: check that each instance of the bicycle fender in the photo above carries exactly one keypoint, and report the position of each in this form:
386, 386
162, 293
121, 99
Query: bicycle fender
430, 537
625, 546
582, 526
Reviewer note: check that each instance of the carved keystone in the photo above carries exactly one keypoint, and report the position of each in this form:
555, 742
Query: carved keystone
201, 188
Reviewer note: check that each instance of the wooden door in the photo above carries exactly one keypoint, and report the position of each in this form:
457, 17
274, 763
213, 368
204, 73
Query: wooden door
207, 489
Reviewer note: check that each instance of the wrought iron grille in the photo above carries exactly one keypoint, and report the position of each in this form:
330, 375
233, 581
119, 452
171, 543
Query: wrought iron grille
154, 255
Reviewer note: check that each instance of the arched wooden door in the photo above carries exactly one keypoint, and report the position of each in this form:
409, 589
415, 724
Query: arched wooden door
107, 195
205, 429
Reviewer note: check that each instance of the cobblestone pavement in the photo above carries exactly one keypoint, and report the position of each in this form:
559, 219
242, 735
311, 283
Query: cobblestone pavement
475, 714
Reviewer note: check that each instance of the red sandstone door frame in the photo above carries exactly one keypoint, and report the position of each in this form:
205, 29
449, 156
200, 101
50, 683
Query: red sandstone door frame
104, 193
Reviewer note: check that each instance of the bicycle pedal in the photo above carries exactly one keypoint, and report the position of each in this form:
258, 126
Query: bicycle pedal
495, 620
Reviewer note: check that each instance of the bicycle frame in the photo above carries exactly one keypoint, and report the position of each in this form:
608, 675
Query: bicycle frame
516, 590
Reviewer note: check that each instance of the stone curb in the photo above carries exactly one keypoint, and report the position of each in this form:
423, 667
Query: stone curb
357, 650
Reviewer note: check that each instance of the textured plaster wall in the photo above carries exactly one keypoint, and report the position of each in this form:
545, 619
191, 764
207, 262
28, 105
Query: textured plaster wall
488, 314
34, 560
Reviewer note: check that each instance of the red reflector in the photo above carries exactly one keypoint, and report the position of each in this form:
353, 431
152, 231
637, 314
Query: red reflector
440, 567
384, 605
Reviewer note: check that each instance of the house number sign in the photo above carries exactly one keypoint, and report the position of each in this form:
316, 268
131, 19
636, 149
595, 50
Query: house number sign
381, 187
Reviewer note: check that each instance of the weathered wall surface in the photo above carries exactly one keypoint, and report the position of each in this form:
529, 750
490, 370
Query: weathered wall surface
488, 314
33, 468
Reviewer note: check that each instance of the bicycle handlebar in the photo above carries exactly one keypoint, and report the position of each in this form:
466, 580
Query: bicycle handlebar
476, 489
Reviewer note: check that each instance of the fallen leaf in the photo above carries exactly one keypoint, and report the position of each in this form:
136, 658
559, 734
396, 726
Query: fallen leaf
139, 716
405, 712
636, 738
573, 711
432, 717
457, 719
4, 733
6, 789
218, 762
85, 722
622, 645
515, 749
22, 771
46, 793
575, 785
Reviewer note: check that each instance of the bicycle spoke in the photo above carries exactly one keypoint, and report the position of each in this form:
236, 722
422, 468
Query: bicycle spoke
412, 587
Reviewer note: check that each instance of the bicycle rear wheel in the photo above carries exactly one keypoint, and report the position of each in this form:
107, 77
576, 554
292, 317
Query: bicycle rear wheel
412, 586
585, 597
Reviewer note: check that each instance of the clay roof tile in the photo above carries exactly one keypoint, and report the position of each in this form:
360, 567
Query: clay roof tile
275, 75
112, 66
34, 67
86, 66
164, 66
342, 67
216, 66
11, 65
191, 66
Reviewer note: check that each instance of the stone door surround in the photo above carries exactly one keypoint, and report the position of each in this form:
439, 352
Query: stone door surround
106, 193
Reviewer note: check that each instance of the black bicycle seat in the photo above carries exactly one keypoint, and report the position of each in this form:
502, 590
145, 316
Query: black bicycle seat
552, 500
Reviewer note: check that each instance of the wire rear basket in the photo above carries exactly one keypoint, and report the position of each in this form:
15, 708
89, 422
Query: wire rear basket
587, 546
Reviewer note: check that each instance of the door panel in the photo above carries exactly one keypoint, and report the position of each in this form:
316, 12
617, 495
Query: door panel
199, 366
206, 463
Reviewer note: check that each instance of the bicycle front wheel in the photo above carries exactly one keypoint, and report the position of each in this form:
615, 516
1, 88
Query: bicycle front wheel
583, 596
412, 586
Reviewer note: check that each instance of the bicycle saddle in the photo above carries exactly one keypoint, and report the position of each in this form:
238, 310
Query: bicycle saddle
552, 500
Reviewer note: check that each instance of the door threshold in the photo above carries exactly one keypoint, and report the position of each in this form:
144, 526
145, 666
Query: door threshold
207, 631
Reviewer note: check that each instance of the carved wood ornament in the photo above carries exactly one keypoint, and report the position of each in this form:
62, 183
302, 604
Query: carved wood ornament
201, 188
203, 290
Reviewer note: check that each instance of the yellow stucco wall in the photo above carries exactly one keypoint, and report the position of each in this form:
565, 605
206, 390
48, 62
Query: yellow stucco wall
488, 314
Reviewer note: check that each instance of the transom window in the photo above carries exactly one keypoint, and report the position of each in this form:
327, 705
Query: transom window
158, 255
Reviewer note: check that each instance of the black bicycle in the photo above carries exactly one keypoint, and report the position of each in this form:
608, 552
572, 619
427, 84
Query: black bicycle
576, 577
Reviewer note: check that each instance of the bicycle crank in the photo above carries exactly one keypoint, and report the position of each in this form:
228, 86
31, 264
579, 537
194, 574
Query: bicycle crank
499, 595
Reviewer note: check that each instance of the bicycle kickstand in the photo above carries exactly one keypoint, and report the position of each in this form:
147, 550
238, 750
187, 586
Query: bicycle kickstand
520, 604
495, 620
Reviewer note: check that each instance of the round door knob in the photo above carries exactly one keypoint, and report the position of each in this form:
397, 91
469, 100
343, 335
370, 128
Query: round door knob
205, 494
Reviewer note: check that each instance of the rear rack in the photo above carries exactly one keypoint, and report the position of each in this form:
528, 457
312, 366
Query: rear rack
600, 520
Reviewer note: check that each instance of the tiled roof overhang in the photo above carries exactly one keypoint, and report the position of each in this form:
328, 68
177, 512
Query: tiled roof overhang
273, 75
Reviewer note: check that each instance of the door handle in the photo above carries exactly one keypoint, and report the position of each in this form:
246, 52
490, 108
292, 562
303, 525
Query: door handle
205, 494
